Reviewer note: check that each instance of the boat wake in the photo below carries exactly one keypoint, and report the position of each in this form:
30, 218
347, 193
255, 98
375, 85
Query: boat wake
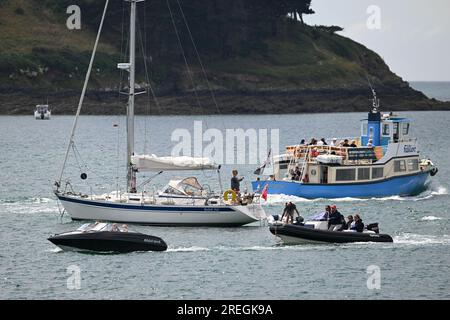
419, 239
28, 205
431, 218
187, 249
277, 199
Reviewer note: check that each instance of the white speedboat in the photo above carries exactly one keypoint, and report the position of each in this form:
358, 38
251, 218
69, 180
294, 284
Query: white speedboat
184, 204
42, 112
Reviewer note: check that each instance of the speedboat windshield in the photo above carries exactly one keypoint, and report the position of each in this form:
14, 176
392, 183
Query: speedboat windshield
97, 226
188, 186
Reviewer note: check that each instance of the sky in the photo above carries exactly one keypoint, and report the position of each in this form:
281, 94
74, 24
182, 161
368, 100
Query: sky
412, 36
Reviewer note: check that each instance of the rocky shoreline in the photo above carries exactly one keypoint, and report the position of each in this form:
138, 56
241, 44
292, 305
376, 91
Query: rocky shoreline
22, 102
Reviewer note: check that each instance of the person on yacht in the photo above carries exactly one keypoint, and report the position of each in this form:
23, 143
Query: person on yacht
235, 181
370, 143
115, 228
124, 228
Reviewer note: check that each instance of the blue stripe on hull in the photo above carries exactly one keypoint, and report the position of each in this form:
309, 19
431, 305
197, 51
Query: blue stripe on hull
402, 186
145, 207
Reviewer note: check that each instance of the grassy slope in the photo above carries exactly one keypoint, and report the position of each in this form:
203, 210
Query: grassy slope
32, 39
38, 54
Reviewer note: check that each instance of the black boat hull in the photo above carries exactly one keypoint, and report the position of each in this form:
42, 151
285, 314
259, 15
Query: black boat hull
107, 241
296, 234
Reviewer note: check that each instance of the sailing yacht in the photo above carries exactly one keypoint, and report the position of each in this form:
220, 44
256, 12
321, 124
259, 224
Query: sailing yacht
182, 203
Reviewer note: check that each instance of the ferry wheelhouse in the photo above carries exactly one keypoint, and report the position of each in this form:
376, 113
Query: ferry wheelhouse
385, 162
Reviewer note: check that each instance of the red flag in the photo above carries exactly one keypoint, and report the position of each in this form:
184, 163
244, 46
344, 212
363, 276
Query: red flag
264, 192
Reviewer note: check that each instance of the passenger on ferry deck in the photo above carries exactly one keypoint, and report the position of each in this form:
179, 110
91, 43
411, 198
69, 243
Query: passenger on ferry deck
322, 142
370, 144
313, 142
346, 145
303, 142
334, 143
353, 145
297, 174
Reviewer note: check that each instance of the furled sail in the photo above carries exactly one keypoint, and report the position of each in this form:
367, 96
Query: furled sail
155, 163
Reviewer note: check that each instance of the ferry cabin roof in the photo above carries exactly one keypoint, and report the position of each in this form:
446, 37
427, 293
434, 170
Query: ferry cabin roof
384, 129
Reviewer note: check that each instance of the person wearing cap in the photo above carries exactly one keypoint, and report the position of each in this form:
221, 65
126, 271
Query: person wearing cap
335, 219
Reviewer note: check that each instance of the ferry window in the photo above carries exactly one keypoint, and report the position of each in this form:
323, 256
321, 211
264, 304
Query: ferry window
413, 164
364, 129
363, 173
345, 174
377, 173
405, 129
386, 129
399, 166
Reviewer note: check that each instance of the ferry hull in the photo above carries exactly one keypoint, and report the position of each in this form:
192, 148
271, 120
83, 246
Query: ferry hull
160, 215
402, 186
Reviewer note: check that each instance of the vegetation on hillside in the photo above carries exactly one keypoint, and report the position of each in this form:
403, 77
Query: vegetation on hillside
246, 46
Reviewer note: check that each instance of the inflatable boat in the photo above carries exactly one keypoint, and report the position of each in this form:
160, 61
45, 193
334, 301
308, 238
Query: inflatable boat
311, 232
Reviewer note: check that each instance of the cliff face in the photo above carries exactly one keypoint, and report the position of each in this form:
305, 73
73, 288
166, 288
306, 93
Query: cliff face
289, 68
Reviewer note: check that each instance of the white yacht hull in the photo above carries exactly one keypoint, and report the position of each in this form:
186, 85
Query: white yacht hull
161, 214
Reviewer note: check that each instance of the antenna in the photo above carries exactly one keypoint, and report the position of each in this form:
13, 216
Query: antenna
375, 100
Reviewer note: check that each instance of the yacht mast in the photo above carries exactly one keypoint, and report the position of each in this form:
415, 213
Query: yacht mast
131, 174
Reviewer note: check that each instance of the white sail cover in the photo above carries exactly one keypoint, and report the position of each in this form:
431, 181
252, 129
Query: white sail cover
155, 163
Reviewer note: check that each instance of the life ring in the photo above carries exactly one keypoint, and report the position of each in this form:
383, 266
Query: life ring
233, 195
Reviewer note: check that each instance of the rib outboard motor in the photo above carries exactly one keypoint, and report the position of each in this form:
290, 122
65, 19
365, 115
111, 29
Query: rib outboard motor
373, 227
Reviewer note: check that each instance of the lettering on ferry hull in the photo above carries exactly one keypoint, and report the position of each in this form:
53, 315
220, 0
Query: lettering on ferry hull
407, 148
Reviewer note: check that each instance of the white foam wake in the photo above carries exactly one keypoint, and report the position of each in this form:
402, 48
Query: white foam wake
431, 218
187, 249
277, 199
419, 239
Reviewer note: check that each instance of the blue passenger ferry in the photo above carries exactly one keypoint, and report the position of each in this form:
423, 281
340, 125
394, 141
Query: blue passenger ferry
383, 161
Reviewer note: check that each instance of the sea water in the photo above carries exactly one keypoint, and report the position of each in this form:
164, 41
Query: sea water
212, 263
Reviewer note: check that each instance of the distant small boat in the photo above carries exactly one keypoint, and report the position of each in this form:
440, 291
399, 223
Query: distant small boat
317, 232
42, 112
106, 237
